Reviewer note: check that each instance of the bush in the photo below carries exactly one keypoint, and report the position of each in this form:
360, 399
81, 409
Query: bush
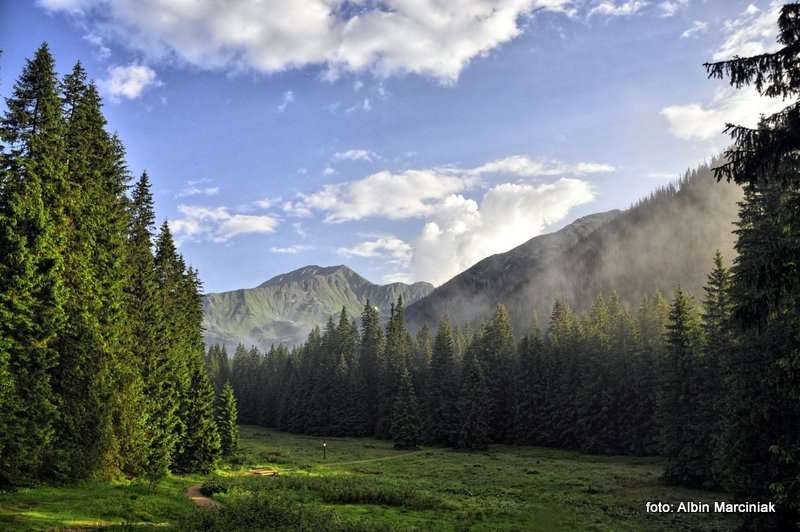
211, 487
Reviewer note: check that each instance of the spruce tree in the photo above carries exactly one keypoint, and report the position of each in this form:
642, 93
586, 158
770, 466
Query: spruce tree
200, 447
717, 309
371, 361
32, 228
531, 390
442, 394
763, 455
405, 422
91, 344
227, 420
682, 440
474, 406
148, 335
499, 364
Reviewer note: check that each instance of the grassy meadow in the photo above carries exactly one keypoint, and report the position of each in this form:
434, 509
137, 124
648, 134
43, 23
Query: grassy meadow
364, 484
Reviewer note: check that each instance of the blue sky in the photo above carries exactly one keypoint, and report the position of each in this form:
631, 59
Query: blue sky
406, 138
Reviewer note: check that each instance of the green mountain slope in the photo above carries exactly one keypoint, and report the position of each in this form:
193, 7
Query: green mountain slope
285, 308
665, 240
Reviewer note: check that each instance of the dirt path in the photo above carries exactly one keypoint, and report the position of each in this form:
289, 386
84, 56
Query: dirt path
199, 499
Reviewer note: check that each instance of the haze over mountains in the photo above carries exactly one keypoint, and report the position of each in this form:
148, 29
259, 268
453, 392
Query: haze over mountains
285, 308
663, 241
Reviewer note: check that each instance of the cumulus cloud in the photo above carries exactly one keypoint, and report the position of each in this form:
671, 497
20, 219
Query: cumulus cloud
417, 193
218, 224
462, 232
426, 37
391, 195
356, 155
696, 121
753, 32
698, 26
290, 250
128, 81
613, 9
391, 248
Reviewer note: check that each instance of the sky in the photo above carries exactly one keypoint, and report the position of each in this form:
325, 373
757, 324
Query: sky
407, 139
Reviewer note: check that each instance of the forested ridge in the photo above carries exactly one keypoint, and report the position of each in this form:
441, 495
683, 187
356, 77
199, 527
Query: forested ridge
101, 347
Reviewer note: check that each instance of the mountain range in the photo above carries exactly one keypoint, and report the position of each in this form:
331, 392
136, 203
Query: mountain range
664, 241
285, 308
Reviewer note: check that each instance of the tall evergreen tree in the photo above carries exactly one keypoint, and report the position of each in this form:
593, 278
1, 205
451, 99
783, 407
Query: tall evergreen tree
405, 423
442, 393
763, 455
32, 241
474, 405
717, 310
682, 440
200, 447
227, 418
371, 361
499, 364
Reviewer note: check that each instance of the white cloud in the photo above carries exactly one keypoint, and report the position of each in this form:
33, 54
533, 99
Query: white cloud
670, 7
266, 203
698, 26
197, 191
753, 32
427, 37
290, 250
418, 193
358, 85
296, 209
697, 121
128, 81
218, 224
609, 8
395, 196
102, 52
393, 249
328, 171
524, 167
460, 232
288, 97
301, 232
356, 155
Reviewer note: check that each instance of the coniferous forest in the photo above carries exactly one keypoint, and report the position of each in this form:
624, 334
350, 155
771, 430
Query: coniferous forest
101, 348
104, 373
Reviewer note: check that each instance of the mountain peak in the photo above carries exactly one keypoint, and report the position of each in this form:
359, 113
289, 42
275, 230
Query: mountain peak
313, 271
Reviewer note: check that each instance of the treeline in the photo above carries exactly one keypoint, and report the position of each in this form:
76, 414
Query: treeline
101, 348
598, 382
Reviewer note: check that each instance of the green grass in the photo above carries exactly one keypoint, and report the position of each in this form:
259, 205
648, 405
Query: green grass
97, 504
365, 484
